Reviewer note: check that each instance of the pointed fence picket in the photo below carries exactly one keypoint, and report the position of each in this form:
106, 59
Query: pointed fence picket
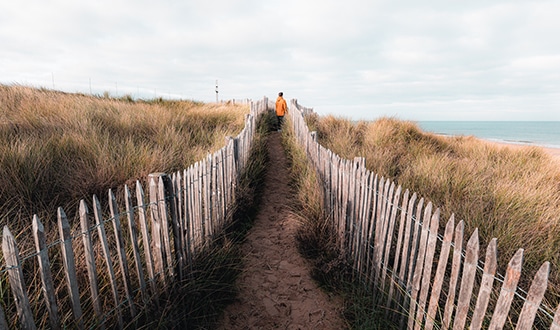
421, 277
121, 271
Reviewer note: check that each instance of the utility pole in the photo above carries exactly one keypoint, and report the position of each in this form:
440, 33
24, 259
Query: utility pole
216, 90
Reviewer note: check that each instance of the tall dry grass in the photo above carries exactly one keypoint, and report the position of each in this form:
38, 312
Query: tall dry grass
57, 148
512, 194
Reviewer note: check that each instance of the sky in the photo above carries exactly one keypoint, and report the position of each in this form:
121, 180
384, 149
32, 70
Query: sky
357, 59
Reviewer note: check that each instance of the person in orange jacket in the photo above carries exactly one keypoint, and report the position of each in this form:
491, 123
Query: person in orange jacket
281, 109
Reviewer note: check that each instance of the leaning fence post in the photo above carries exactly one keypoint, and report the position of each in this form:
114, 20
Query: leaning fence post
121, 253
45, 270
70, 266
90, 261
17, 282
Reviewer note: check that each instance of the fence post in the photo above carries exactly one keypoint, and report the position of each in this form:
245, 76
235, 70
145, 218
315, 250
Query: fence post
157, 247
121, 253
45, 270
90, 261
163, 208
102, 234
170, 198
17, 282
145, 234
70, 266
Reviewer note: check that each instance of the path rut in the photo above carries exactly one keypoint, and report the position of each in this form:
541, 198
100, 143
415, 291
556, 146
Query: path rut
276, 289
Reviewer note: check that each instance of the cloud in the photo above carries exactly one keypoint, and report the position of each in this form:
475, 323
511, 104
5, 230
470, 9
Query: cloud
358, 58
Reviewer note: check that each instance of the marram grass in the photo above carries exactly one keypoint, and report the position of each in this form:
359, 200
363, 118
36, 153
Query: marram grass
57, 148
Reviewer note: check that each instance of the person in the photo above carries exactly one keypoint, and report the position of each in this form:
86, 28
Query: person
281, 109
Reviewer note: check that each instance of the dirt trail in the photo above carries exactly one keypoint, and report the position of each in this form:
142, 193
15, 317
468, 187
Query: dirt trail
276, 290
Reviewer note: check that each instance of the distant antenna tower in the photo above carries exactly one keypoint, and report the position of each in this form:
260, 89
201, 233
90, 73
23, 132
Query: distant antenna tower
216, 91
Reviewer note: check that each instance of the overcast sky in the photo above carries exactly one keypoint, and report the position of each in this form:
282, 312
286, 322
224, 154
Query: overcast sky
359, 59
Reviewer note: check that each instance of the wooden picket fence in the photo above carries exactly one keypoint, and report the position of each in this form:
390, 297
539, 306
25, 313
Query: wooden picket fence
421, 277
144, 246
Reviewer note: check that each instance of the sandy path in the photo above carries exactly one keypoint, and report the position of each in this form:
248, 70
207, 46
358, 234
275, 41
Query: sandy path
276, 290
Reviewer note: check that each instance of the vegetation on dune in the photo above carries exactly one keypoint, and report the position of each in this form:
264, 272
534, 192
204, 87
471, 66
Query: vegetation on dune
57, 148
511, 193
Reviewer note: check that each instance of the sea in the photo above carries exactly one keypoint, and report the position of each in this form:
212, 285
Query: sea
538, 133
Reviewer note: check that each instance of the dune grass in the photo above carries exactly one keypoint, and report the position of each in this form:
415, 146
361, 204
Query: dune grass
56, 148
511, 193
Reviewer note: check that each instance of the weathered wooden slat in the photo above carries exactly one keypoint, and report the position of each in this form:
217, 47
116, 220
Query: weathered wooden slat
455, 267
428, 263
365, 224
215, 196
513, 273
200, 225
90, 263
417, 229
369, 221
397, 251
406, 248
70, 266
206, 202
392, 218
133, 232
45, 272
400, 298
490, 266
351, 207
380, 227
344, 205
177, 185
158, 249
189, 207
180, 216
121, 253
222, 187
358, 214
164, 222
440, 273
467, 281
107, 254
534, 298
172, 219
419, 267
17, 281
146, 241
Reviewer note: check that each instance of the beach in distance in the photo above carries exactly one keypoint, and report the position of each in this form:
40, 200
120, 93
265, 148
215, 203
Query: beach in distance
545, 134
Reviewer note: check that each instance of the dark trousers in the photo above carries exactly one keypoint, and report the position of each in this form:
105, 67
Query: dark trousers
280, 121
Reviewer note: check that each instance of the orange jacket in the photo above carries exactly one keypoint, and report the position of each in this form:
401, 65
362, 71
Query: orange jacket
281, 106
